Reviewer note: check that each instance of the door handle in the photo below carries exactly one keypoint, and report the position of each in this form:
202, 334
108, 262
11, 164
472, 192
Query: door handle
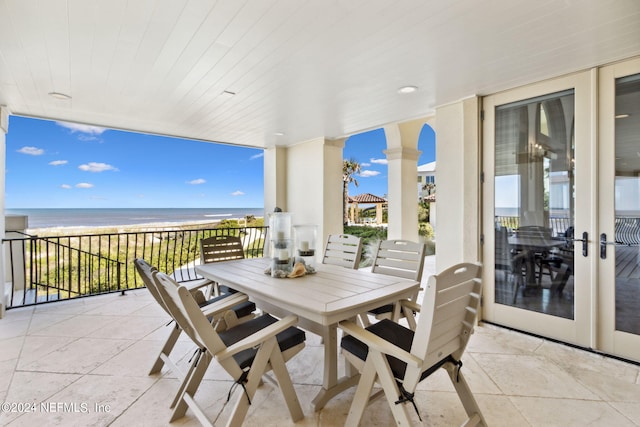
585, 243
603, 245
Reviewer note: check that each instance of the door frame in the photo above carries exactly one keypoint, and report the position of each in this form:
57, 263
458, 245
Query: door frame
580, 329
607, 339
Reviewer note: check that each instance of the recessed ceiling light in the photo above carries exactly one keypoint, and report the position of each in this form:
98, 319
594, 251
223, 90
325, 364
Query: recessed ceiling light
622, 116
279, 133
408, 89
59, 95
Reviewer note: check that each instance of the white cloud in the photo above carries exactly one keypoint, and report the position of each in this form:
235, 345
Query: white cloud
197, 181
58, 162
237, 193
96, 167
86, 137
65, 186
257, 156
84, 185
368, 173
32, 151
379, 161
364, 165
77, 127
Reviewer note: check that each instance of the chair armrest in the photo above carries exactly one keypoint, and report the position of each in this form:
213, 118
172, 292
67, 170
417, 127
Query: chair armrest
258, 338
410, 305
224, 304
194, 285
379, 344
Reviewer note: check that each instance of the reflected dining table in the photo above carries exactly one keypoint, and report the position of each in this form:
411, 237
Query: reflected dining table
320, 301
530, 246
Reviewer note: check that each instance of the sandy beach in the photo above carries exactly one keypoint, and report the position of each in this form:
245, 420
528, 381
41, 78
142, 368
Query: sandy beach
132, 228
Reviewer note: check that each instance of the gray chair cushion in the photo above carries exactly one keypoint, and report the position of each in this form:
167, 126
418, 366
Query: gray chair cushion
288, 338
396, 334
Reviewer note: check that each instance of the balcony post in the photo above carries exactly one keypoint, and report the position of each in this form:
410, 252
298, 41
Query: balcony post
5, 292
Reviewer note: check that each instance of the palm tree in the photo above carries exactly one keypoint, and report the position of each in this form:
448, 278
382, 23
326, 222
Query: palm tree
350, 168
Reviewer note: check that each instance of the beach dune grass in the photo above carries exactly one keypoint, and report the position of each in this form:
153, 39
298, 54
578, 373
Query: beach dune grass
59, 265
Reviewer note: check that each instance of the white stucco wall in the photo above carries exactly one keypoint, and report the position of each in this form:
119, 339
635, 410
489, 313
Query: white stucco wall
458, 207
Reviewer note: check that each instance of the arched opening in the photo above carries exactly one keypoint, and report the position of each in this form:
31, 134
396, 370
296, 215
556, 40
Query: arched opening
427, 185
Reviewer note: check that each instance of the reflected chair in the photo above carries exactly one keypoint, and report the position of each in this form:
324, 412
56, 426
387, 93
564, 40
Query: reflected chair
503, 254
536, 232
246, 352
400, 258
399, 359
510, 262
215, 309
344, 250
560, 262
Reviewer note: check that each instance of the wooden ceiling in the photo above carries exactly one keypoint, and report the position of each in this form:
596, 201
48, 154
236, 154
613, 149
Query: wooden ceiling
242, 72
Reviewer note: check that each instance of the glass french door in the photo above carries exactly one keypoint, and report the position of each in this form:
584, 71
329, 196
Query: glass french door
537, 191
561, 211
619, 210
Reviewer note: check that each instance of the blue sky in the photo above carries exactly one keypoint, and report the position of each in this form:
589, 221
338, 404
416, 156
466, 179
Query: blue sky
61, 165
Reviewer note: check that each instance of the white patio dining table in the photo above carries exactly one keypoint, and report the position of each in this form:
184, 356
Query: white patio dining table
320, 301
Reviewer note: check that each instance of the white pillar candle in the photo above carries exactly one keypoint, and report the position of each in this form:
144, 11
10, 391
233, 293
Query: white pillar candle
284, 254
304, 246
280, 235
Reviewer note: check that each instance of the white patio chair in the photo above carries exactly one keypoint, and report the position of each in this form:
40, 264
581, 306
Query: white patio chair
399, 359
216, 309
400, 258
246, 351
220, 248
344, 250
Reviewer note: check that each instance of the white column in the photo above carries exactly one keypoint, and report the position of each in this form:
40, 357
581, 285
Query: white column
402, 197
402, 157
4, 128
314, 182
275, 179
458, 206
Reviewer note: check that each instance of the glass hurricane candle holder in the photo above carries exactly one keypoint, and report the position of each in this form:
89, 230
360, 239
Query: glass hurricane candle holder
280, 228
305, 237
281, 258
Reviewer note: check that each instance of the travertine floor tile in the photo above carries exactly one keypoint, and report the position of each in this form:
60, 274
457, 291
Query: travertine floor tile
98, 352
525, 375
563, 412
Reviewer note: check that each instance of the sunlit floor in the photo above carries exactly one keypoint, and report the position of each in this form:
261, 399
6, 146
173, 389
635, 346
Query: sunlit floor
85, 362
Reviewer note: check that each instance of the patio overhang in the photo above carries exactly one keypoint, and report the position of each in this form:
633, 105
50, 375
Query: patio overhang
291, 80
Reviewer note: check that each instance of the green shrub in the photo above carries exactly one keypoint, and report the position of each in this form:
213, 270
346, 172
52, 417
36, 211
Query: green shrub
425, 230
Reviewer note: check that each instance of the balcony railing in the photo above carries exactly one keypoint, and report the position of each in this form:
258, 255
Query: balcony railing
46, 269
558, 225
627, 228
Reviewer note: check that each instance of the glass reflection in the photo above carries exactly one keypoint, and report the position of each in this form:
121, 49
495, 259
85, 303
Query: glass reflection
627, 204
534, 204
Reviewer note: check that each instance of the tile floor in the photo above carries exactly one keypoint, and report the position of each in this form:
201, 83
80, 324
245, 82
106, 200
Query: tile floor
85, 362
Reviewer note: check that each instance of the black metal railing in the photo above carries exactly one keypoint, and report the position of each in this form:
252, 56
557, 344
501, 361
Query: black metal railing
54, 268
627, 228
627, 231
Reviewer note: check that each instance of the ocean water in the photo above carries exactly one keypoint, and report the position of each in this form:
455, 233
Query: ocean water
48, 218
